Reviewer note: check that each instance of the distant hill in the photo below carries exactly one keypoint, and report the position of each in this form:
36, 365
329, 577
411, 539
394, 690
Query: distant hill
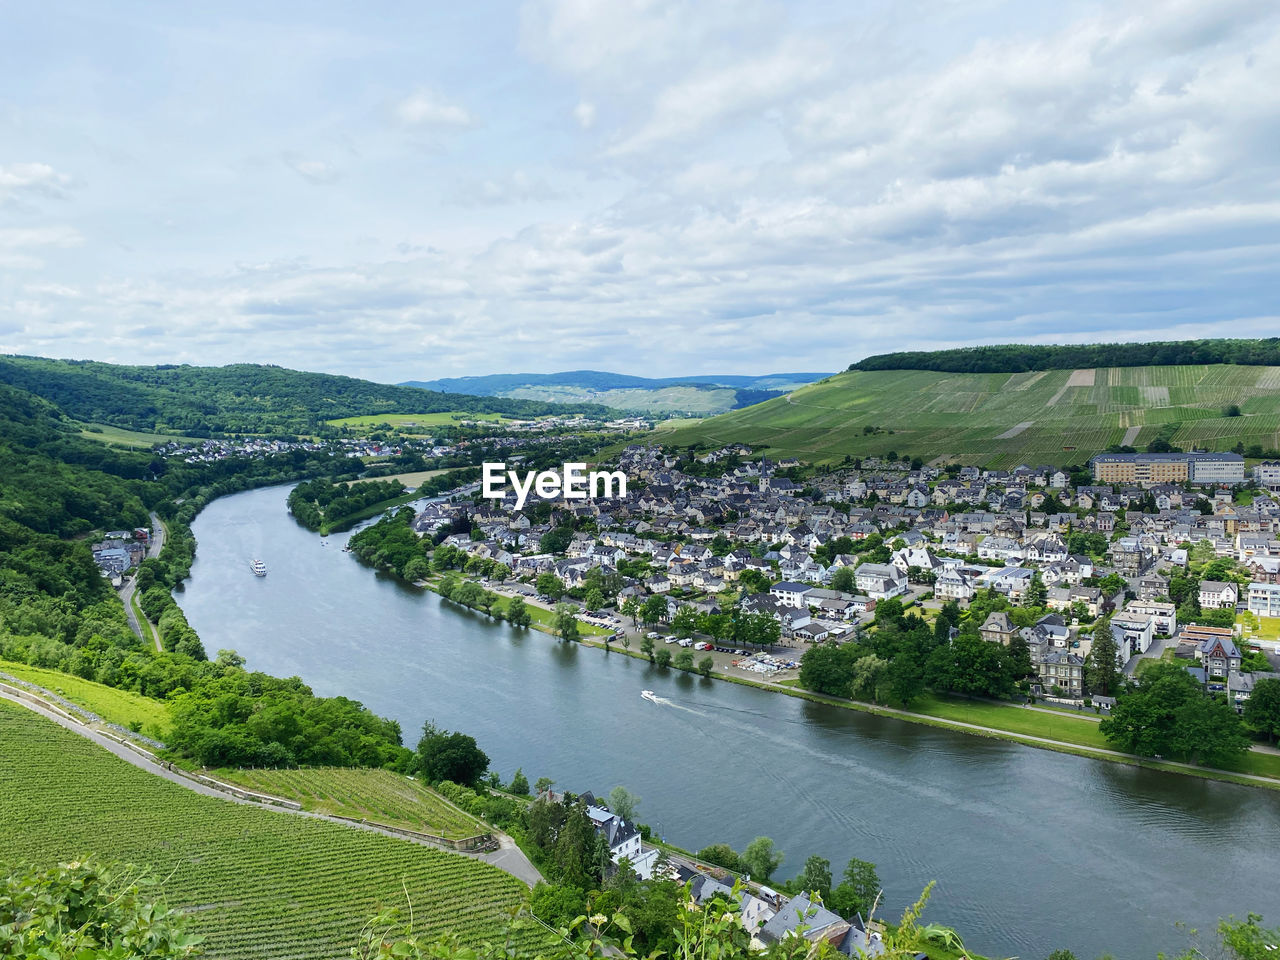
1019, 357
695, 395
1002, 419
239, 398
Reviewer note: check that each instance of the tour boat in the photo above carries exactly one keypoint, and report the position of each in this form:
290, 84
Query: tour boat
258, 567
649, 695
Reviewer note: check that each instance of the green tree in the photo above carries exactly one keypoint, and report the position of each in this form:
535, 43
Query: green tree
1037, 594
450, 756
706, 665
1262, 709
519, 784
685, 622
566, 623
631, 608
662, 658
542, 785
518, 612
646, 647
760, 859
722, 855
550, 585
815, 878
684, 660
594, 599
1101, 675
858, 889
623, 802
843, 580
654, 610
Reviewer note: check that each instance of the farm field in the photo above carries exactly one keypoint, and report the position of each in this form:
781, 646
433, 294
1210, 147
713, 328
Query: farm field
114, 706
260, 884
1002, 419
411, 480
379, 795
687, 399
409, 420
133, 439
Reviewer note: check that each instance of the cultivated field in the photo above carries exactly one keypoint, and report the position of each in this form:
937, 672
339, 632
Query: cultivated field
378, 795
688, 399
260, 884
114, 706
1001, 419
133, 439
407, 421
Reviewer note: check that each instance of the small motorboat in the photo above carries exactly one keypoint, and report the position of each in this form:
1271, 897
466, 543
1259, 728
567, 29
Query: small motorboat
649, 695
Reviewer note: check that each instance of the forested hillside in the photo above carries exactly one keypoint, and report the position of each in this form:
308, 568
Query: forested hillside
57, 611
1021, 357
240, 398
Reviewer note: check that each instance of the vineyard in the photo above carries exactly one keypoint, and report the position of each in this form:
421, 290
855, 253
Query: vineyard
378, 795
128, 709
981, 418
259, 884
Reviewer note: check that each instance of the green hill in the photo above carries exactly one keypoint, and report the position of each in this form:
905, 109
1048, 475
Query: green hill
258, 883
1003, 419
239, 398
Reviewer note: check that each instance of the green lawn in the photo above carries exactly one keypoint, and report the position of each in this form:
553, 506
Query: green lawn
1011, 719
115, 706
378, 795
259, 883
1001, 419
547, 618
1260, 628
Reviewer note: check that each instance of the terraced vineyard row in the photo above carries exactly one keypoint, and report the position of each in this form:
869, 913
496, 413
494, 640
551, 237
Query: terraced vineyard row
379, 795
261, 884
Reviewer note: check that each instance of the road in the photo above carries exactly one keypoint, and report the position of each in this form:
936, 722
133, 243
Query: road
129, 586
508, 857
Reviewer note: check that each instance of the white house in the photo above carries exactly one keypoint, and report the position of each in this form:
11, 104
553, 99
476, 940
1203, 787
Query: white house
879, 581
790, 594
1264, 599
1215, 595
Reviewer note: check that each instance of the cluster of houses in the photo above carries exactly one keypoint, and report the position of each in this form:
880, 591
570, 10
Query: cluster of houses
953, 533
120, 551
766, 914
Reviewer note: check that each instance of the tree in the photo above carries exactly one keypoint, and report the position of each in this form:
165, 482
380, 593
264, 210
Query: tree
684, 660
623, 802
518, 612
542, 785
815, 878
905, 677
594, 599
1037, 594
1101, 675
631, 608
662, 658
550, 585
843, 580
868, 679
566, 622
654, 610
722, 855
519, 784
685, 622
646, 647
1262, 709
858, 889
450, 756
706, 665
760, 859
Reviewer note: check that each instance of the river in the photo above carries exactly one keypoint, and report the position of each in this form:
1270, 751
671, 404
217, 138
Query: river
1032, 850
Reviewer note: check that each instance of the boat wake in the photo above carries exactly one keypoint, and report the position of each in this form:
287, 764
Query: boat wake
664, 702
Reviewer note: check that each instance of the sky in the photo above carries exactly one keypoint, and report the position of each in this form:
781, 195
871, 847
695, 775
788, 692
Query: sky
655, 187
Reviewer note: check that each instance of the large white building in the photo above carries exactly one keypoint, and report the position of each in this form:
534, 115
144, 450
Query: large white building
1264, 599
1267, 474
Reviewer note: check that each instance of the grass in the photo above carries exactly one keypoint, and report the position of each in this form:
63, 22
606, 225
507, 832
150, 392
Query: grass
1268, 628
411, 480
259, 883
962, 416
114, 706
378, 795
402, 420
133, 439
1033, 723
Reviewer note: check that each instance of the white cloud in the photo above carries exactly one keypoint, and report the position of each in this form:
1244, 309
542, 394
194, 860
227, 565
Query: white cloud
585, 114
425, 108
312, 170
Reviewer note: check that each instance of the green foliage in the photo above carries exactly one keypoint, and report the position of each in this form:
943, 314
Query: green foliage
858, 889
1262, 709
519, 784
1101, 675
623, 802
815, 878
238, 398
322, 505
1016, 358
1170, 715
722, 855
450, 756
566, 623
84, 910
760, 859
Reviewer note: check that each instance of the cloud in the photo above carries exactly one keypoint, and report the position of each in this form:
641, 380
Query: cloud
516, 187
585, 114
314, 171
425, 108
